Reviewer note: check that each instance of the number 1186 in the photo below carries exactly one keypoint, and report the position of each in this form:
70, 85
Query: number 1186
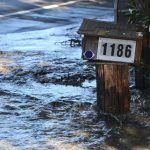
119, 50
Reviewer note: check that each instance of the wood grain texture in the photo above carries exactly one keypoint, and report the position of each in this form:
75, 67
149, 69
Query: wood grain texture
100, 87
110, 29
112, 88
90, 43
112, 80
138, 51
122, 8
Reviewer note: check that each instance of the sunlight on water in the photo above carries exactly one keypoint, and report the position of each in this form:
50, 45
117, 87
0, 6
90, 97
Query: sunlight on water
81, 133
5, 145
60, 145
4, 69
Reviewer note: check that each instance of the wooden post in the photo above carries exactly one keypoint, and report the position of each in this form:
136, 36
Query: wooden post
112, 88
121, 7
112, 80
112, 46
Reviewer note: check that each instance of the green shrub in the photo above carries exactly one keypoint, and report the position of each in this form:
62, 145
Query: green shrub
139, 12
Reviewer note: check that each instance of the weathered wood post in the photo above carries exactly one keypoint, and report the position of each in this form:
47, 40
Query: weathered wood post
111, 46
112, 79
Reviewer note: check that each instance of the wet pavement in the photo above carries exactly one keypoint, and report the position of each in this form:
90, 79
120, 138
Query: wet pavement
48, 94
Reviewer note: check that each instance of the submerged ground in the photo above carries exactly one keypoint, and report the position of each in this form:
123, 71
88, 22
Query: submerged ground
48, 94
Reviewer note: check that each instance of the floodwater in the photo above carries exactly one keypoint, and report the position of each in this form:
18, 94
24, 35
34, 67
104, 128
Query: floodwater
48, 94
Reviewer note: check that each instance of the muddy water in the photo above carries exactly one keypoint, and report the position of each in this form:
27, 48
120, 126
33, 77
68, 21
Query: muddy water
48, 94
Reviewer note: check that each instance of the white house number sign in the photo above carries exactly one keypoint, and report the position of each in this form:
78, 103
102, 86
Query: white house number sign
116, 50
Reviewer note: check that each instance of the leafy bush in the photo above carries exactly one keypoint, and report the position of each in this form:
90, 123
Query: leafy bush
139, 12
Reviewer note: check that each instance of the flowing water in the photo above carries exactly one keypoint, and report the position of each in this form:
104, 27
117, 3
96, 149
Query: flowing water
48, 94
